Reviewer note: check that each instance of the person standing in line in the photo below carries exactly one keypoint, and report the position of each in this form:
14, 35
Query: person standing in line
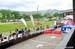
22, 32
16, 31
27, 32
1, 39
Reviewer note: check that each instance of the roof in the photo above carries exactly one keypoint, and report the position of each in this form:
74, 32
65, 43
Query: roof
70, 10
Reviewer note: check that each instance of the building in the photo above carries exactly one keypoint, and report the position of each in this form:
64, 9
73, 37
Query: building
68, 15
68, 12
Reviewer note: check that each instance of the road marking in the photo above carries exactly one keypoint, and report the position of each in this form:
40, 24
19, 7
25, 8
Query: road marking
39, 45
53, 37
42, 42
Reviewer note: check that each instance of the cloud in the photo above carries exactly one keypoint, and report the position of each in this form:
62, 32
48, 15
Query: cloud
31, 5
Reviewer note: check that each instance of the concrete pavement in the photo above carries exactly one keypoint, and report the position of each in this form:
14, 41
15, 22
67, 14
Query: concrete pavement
44, 41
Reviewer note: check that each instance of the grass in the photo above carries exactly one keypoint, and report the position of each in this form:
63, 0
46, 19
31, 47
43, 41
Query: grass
5, 28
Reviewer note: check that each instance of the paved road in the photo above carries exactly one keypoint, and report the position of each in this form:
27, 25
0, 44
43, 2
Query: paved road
44, 41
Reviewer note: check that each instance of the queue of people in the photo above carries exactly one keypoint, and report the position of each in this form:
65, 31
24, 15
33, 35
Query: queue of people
24, 32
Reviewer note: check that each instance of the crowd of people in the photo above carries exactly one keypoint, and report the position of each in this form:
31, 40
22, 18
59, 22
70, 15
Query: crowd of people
24, 32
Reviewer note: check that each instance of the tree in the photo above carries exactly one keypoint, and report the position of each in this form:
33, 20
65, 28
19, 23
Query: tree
15, 15
58, 14
5, 14
37, 15
48, 15
26, 16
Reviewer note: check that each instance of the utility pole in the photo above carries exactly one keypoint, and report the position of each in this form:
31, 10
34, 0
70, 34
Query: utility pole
37, 11
37, 8
71, 42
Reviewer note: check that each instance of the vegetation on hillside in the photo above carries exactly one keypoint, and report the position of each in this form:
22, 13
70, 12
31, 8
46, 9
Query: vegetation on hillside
7, 15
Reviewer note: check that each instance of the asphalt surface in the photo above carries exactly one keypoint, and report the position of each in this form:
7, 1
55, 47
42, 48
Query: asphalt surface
45, 41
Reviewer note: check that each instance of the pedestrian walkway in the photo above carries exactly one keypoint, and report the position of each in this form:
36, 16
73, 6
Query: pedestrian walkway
44, 41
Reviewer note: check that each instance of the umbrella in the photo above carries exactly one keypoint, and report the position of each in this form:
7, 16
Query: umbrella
70, 22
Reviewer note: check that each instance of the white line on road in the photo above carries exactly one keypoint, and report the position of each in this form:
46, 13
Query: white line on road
42, 42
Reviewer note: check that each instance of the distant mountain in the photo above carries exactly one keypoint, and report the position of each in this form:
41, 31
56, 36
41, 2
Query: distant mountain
43, 11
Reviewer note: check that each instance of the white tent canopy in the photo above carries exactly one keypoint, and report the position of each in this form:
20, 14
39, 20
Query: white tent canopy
69, 17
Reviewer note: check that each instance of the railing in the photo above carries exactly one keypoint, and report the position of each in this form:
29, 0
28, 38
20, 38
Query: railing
9, 41
63, 43
8, 38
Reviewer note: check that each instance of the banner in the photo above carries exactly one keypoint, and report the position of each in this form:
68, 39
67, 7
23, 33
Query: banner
24, 22
31, 17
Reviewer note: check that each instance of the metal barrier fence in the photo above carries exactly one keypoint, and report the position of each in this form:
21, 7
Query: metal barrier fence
14, 39
63, 43
11, 40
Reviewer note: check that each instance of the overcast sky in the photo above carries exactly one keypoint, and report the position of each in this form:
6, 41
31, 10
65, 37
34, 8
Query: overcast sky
31, 5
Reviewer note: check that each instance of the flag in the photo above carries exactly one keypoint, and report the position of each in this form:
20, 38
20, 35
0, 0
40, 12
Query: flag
31, 17
24, 22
